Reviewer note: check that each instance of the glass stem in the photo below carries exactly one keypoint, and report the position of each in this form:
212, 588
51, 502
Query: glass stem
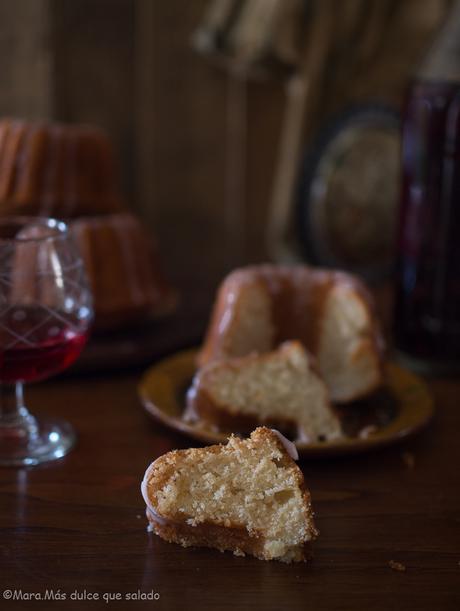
14, 415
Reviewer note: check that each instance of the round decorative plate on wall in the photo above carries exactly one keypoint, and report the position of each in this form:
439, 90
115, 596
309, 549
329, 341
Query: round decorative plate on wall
349, 192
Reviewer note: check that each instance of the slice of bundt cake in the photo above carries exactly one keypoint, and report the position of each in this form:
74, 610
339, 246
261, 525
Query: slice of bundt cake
248, 497
280, 388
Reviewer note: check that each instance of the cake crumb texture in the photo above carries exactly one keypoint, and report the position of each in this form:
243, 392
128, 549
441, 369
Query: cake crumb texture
248, 496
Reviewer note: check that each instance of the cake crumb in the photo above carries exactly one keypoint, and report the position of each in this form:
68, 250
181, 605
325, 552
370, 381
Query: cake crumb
397, 566
408, 459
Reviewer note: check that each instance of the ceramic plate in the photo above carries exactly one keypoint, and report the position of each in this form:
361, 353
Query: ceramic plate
401, 408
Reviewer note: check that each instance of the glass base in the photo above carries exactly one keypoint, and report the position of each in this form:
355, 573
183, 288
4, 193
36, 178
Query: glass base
53, 439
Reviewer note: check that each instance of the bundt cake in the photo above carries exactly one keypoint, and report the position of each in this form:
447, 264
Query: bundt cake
52, 169
330, 312
248, 497
36, 267
279, 388
123, 269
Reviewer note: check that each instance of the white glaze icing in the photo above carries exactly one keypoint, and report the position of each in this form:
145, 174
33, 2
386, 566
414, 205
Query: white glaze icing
224, 322
151, 511
288, 445
144, 487
190, 413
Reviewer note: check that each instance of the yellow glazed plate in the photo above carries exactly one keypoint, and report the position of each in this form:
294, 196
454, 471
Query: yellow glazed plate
400, 409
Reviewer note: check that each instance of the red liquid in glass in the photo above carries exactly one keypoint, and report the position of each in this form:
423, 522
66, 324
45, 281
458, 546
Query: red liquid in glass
36, 343
427, 316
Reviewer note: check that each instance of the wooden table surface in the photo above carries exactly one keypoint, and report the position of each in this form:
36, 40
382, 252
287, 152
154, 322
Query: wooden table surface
78, 525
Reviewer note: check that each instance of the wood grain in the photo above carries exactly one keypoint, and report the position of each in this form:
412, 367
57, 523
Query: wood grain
93, 72
79, 523
26, 60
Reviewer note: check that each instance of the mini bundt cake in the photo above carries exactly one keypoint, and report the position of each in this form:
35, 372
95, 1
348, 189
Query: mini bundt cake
279, 388
52, 169
123, 268
36, 276
330, 312
248, 497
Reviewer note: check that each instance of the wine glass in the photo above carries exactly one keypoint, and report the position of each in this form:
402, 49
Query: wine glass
45, 316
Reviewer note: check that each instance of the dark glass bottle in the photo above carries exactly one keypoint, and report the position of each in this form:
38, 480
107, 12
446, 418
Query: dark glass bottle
427, 309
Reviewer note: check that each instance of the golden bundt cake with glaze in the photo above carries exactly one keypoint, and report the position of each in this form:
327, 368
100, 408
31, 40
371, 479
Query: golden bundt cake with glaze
248, 497
52, 169
123, 268
279, 388
330, 312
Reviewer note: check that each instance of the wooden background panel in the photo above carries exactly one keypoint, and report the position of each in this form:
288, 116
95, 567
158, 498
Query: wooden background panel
181, 115
265, 117
198, 153
25, 59
376, 50
93, 77
207, 145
